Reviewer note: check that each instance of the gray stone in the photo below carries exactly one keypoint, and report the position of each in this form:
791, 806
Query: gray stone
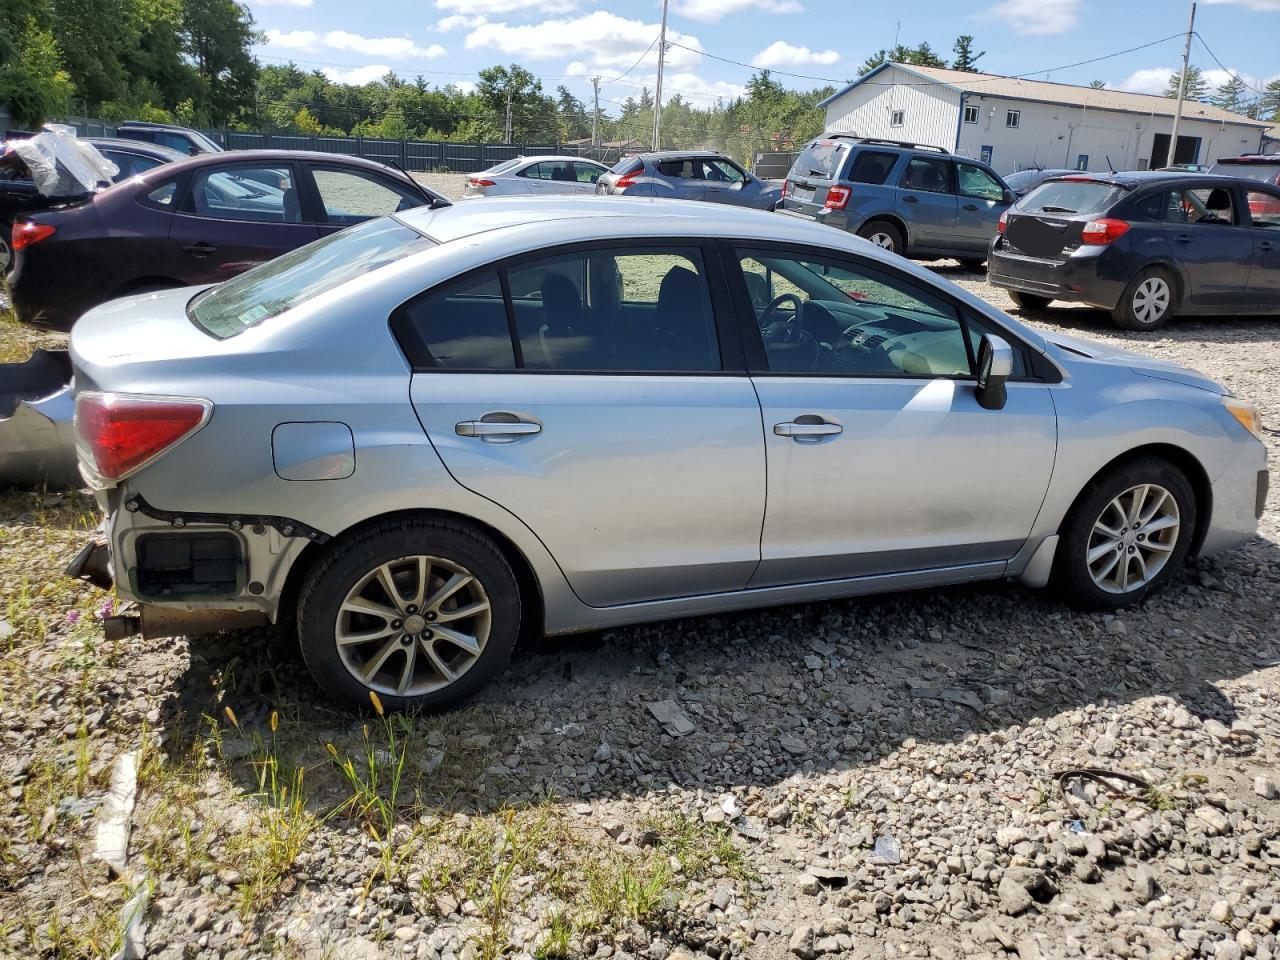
801, 942
674, 720
1145, 888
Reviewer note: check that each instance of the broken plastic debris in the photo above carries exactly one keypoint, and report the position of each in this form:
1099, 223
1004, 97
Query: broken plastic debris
1076, 826
730, 807
674, 720
886, 848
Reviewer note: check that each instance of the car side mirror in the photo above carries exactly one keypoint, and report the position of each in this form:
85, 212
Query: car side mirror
1010, 196
995, 367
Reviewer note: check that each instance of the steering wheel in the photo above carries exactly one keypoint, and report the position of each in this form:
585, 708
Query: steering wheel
786, 331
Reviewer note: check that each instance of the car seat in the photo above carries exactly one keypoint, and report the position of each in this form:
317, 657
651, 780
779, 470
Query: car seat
683, 319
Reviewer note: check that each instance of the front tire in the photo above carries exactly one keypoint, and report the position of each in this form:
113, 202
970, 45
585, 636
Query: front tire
884, 235
1126, 535
1148, 301
422, 612
1028, 301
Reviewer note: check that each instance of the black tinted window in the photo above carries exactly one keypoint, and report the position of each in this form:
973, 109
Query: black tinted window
623, 310
681, 169
463, 327
872, 167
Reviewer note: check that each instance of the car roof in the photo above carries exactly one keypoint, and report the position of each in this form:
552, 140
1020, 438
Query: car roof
1270, 159
137, 146
271, 156
680, 154
154, 125
1130, 179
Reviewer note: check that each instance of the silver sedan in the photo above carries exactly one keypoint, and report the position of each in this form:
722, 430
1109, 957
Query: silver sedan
535, 176
418, 445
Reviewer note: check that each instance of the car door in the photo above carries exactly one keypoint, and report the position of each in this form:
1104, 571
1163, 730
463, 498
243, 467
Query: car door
726, 182
550, 177
236, 215
879, 458
347, 196
585, 176
1211, 240
927, 203
614, 428
981, 201
680, 178
1264, 216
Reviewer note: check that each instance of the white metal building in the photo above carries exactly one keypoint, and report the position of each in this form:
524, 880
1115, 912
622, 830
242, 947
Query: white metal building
1014, 124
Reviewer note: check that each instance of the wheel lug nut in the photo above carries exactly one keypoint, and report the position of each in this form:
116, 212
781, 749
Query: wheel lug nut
395, 624
406, 640
431, 614
411, 608
427, 634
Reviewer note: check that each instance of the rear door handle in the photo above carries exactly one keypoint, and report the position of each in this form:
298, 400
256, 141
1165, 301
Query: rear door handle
200, 248
1266, 246
807, 428
910, 199
971, 206
497, 431
1184, 238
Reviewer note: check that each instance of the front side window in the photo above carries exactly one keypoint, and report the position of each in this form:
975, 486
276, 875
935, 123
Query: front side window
1211, 206
615, 310
351, 197
263, 194
289, 280
463, 326
1013, 118
721, 171
823, 316
977, 183
873, 167
926, 174
1264, 208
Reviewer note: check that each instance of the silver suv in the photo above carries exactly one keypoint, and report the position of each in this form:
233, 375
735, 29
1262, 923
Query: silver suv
417, 444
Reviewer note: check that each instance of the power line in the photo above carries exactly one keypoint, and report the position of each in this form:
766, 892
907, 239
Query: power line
634, 65
1231, 73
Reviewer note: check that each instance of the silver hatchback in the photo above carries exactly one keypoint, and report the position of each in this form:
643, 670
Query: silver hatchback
432, 433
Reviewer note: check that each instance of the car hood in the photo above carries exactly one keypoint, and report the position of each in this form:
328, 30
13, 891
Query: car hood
1142, 365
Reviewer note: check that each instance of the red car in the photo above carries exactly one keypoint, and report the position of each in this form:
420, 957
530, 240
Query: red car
194, 221
1265, 169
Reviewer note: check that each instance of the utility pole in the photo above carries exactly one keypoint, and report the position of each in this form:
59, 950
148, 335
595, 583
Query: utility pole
507, 127
1182, 88
657, 99
595, 111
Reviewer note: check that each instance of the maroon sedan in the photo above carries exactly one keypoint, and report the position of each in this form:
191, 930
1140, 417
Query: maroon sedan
195, 221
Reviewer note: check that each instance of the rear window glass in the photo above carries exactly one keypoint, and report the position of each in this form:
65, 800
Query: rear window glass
1265, 172
822, 158
626, 165
287, 281
871, 167
505, 165
1071, 196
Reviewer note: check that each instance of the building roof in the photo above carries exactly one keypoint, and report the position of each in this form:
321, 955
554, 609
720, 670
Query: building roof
1044, 91
1273, 133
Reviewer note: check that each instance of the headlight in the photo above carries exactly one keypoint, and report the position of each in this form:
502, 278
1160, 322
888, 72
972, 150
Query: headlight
1246, 413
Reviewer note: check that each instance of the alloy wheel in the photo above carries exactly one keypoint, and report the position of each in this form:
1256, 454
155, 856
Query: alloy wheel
1151, 300
1133, 538
413, 626
882, 240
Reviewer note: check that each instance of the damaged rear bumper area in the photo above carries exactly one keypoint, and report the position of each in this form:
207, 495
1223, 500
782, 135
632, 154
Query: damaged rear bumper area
37, 436
189, 573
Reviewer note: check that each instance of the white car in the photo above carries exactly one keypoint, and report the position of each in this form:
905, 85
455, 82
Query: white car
539, 176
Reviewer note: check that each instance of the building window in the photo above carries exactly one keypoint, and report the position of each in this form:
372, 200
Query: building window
1082, 162
970, 114
895, 118
1013, 118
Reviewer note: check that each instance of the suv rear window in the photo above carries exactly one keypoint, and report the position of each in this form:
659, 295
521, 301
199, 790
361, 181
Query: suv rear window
822, 158
1071, 196
287, 281
1265, 172
872, 167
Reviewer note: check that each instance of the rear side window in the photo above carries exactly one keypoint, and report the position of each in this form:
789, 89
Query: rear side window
1264, 208
926, 175
873, 167
1071, 196
254, 192
289, 280
464, 327
822, 159
681, 169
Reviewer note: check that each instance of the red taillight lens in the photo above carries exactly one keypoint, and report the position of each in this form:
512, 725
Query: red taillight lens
628, 180
838, 197
1101, 232
119, 433
27, 233
786, 188
1003, 225
479, 182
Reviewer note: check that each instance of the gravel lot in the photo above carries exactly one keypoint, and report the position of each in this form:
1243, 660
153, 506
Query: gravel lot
871, 778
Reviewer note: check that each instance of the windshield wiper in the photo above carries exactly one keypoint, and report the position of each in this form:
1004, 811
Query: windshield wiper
1057, 210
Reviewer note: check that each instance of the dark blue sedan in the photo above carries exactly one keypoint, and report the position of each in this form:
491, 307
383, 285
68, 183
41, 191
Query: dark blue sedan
1145, 246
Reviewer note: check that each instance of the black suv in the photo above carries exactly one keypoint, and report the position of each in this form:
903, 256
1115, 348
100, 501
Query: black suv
182, 139
916, 200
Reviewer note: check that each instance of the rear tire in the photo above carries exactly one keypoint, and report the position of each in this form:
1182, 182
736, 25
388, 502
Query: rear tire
1148, 302
1128, 532
1028, 301
884, 235
446, 632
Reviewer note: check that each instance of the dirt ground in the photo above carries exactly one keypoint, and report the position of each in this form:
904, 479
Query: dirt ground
870, 778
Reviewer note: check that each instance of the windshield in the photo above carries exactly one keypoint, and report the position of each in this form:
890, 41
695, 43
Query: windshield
822, 158
1071, 196
1264, 172
281, 284
205, 142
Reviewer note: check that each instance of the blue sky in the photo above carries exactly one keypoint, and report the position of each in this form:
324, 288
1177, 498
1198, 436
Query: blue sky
568, 41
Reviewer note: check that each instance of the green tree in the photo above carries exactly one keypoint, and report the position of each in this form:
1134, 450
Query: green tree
966, 59
921, 55
1269, 104
533, 113
1098, 84
574, 120
217, 36
1196, 86
1231, 95
33, 84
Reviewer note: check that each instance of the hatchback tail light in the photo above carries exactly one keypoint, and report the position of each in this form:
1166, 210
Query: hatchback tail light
118, 433
1099, 233
838, 197
26, 233
479, 182
628, 179
786, 188
1003, 225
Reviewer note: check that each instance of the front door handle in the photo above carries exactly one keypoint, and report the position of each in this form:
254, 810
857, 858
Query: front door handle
200, 248
1183, 238
1266, 246
497, 430
910, 199
971, 206
807, 428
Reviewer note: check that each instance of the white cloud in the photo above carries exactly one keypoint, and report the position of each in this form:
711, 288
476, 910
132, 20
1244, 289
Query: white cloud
293, 40
397, 48
713, 11
614, 41
702, 92
781, 54
358, 75
459, 21
1267, 6
1153, 80
576, 69
491, 7
1033, 17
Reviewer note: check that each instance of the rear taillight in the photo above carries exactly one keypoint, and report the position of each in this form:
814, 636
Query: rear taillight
628, 179
1101, 232
118, 433
27, 233
1003, 225
479, 182
838, 197
786, 188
